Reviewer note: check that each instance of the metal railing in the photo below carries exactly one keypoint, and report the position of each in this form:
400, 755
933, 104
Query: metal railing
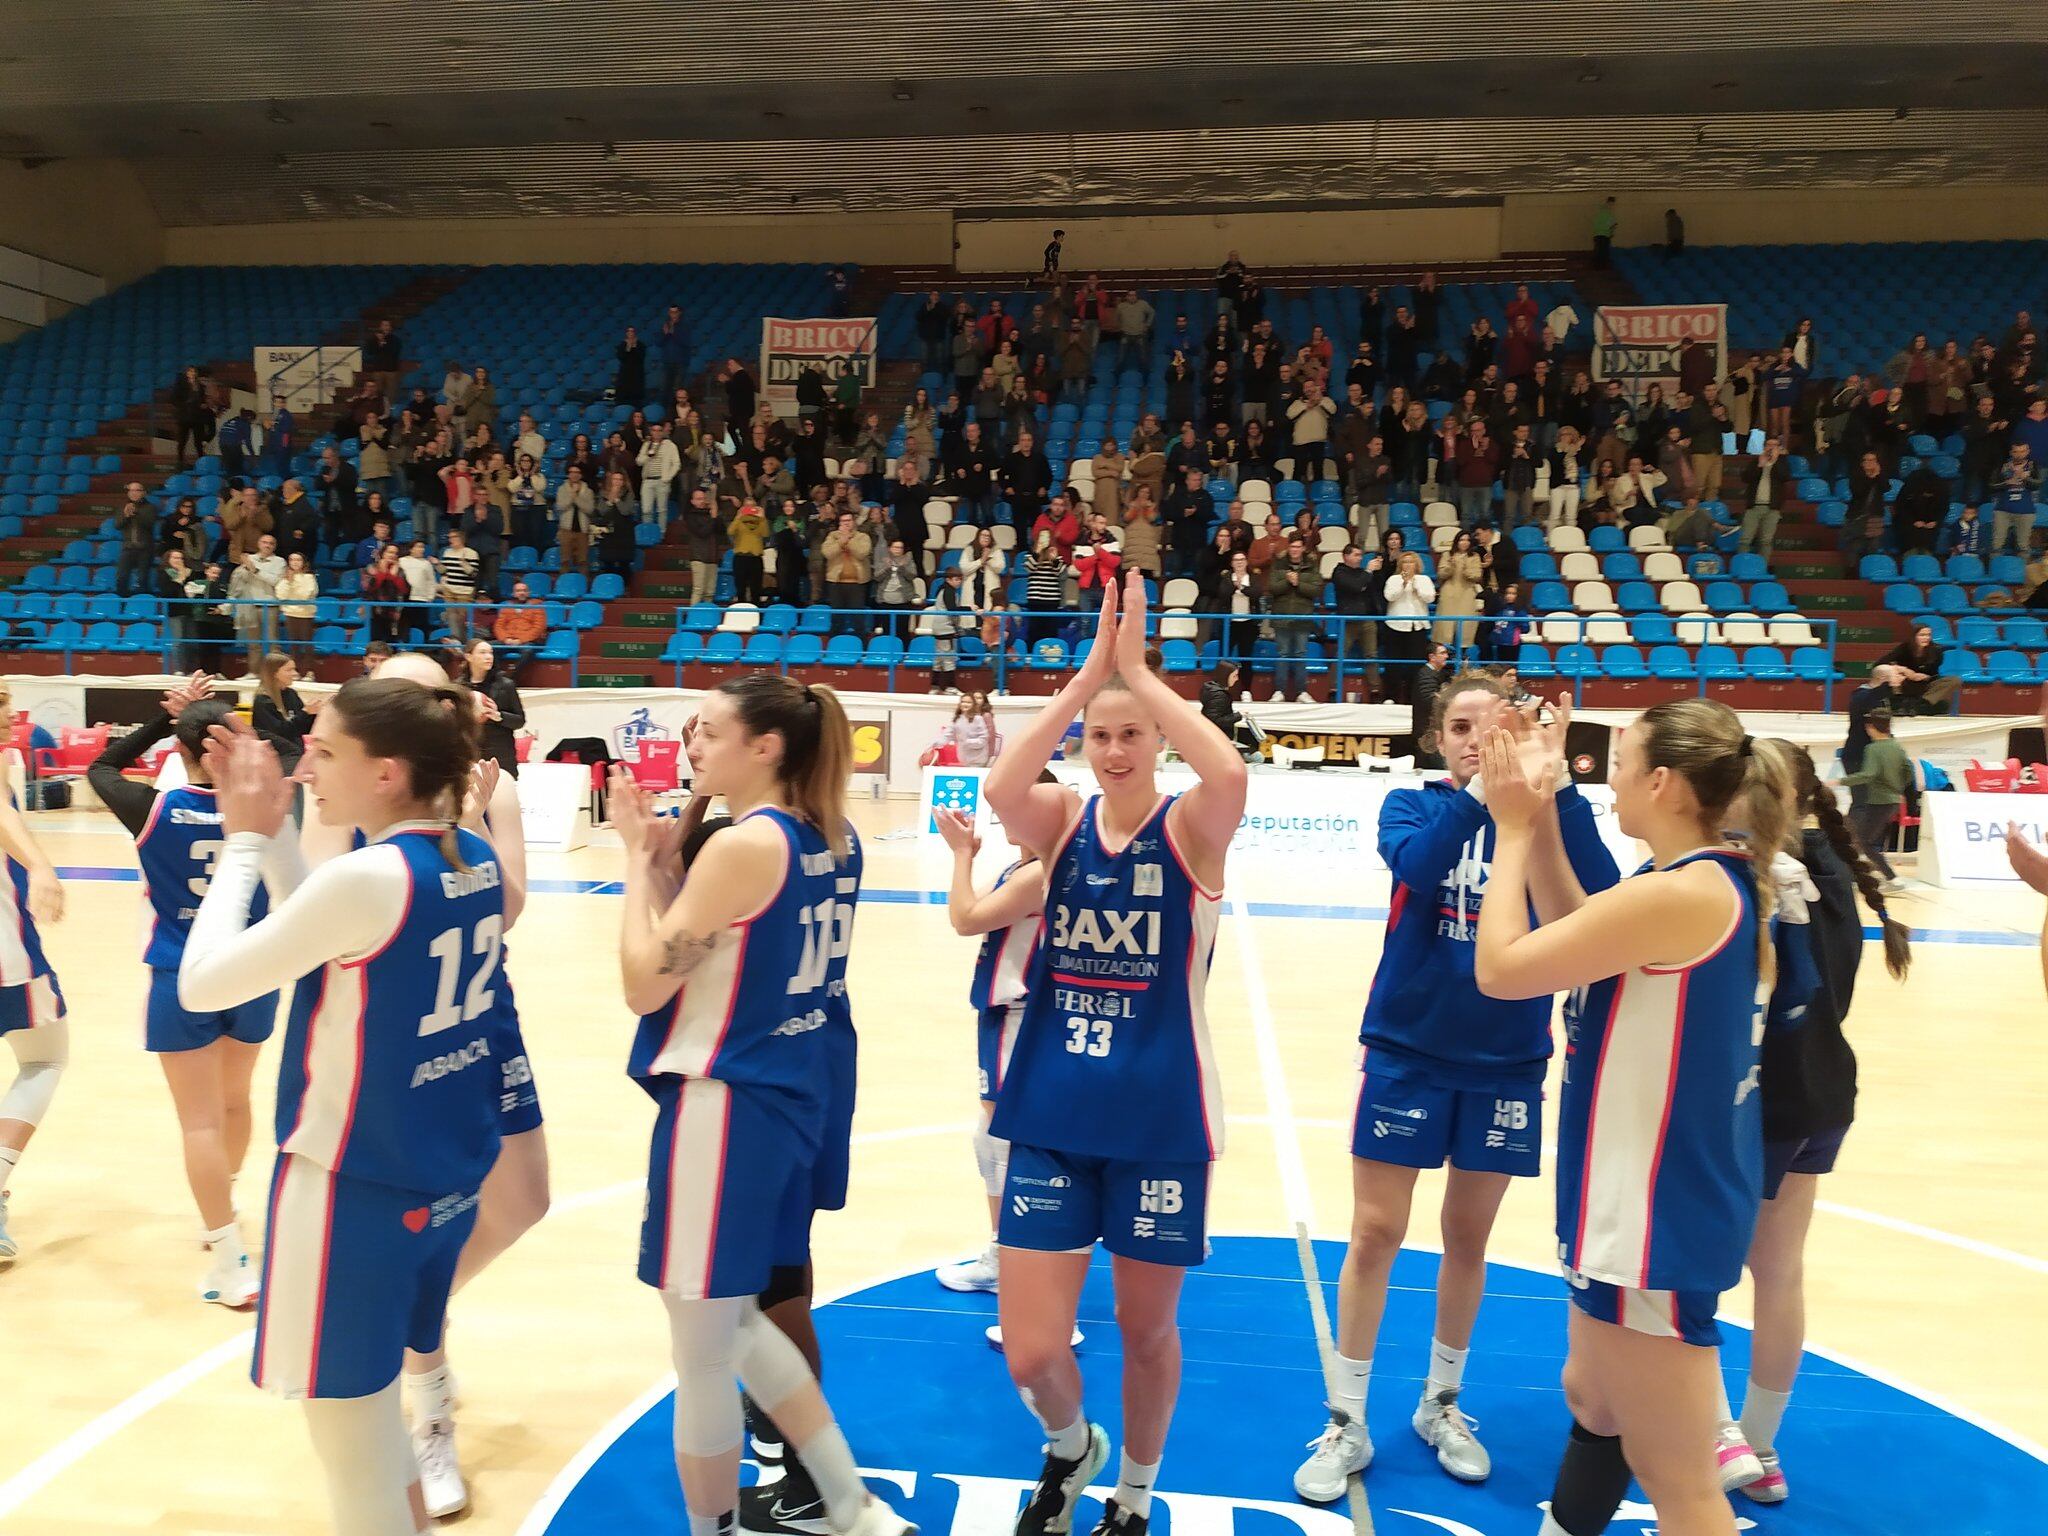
1352, 649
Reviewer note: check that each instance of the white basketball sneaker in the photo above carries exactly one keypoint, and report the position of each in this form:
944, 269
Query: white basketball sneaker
231, 1281
441, 1484
1340, 1451
10, 1250
1738, 1464
976, 1274
1445, 1427
994, 1334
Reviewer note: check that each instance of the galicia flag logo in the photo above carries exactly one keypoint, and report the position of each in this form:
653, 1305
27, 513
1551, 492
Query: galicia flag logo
938, 1429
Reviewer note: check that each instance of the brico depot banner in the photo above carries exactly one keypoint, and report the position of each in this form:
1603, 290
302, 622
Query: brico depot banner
788, 347
1638, 343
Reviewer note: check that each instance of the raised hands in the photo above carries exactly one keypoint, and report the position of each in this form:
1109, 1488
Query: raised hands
957, 830
249, 784
649, 837
1514, 797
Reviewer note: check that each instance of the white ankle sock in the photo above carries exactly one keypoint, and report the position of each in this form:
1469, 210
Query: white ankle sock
9, 1156
829, 1460
1446, 1369
1348, 1382
1762, 1412
427, 1397
1071, 1442
712, 1525
1134, 1480
225, 1243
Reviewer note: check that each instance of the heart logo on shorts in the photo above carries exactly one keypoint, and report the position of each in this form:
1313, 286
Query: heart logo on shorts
416, 1221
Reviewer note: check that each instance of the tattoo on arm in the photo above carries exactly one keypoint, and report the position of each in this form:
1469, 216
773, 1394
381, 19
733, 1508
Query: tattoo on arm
684, 953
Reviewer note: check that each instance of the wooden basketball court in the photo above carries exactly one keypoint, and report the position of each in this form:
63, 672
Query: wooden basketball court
127, 1406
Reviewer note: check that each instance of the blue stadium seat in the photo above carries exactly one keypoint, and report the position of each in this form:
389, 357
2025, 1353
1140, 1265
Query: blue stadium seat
685, 646
843, 651
722, 649
1623, 661
1533, 660
1671, 662
1766, 663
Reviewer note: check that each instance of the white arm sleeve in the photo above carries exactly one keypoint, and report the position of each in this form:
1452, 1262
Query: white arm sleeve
505, 831
284, 866
346, 907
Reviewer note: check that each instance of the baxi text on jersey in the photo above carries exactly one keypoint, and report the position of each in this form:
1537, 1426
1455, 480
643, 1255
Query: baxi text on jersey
436, 1067
467, 882
803, 1023
1105, 932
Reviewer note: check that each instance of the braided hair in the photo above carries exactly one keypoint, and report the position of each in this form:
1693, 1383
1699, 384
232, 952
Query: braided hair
1815, 799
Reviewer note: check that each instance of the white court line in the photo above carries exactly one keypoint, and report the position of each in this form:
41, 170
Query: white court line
1982, 1249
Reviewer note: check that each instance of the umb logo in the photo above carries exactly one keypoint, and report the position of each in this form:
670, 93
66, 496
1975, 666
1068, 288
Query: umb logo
1161, 1195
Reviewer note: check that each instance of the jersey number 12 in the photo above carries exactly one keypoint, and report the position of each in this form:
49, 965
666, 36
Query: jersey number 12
484, 940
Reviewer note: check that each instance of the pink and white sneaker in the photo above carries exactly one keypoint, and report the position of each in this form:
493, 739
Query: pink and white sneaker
1771, 1488
1738, 1463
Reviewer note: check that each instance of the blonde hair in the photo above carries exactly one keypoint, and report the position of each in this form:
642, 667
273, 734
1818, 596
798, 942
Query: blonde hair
1401, 563
1746, 788
817, 745
266, 676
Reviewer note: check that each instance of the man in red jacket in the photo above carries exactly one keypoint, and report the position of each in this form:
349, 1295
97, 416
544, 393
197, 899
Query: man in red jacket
1058, 519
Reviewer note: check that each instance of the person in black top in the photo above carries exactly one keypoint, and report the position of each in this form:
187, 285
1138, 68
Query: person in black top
279, 715
1809, 1100
503, 714
1185, 516
1051, 270
1352, 579
1919, 688
629, 384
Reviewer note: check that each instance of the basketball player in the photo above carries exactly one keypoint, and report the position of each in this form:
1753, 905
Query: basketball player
515, 1193
1112, 1106
388, 1092
729, 974
1006, 916
1809, 1097
1450, 1075
208, 1059
1660, 1138
31, 1003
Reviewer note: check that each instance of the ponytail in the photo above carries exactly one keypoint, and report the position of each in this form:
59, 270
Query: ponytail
1818, 801
1762, 810
432, 730
817, 745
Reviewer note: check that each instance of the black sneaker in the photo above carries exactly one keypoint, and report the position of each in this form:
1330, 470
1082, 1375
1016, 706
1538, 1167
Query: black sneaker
764, 1440
1051, 1509
789, 1506
1118, 1521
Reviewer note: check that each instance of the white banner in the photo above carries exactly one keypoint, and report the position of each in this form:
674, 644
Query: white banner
305, 376
789, 346
1638, 344
1962, 836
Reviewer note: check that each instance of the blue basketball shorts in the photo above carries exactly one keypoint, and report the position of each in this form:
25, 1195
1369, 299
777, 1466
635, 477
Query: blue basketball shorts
518, 1097
721, 1165
354, 1275
1061, 1202
35, 1003
822, 1186
1684, 1315
1405, 1119
167, 1025
995, 1037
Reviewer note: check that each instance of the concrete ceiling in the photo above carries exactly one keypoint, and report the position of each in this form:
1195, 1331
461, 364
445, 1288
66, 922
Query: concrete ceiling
240, 110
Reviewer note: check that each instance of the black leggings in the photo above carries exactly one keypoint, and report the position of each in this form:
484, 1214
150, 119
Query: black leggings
1872, 825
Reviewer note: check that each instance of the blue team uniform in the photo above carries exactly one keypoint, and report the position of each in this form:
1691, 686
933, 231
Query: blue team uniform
387, 1122
176, 849
29, 994
831, 1169
733, 1062
1001, 973
518, 1094
1449, 1072
1660, 1140
1112, 1106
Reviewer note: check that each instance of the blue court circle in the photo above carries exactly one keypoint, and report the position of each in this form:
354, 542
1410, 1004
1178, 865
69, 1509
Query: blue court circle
930, 1412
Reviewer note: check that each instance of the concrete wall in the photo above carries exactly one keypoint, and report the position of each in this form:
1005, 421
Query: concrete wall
1783, 216
1468, 233
92, 214
890, 239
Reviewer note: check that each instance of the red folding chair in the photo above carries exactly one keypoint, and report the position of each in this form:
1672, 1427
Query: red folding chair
76, 748
1985, 779
656, 769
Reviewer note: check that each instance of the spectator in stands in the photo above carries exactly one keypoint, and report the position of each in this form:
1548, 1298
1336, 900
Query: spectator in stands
1518, 478
1098, 559
895, 587
1436, 670
235, 440
423, 587
748, 531
374, 470
490, 521
612, 524
384, 357
457, 386
1691, 525
1475, 461
660, 464
1141, 537
2013, 490
385, 588
1357, 639
1045, 592
1501, 640
335, 484
1763, 487
526, 493
1919, 511
1634, 495
1604, 225
184, 531
1410, 596
849, 570
1919, 688
1026, 478
459, 566
191, 412
1293, 584
278, 714
178, 582
629, 381
1134, 318
297, 523
1985, 435
519, 627
970, 475
1309, 419
1566, 465
1878, 787
575, 515
297, 592
1459, 574
1059, 523
934, 332
1967, 535
2032, 429
253, 587
278, 437
948, 618
673, 340
702, 543
136, 522
1706, 424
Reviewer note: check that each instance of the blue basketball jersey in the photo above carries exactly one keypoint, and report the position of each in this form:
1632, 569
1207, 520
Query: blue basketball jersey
1660, 1137
1113, 1057
845, 901
21, 948
176, 849
387, 1073
1005, 959
751, 1014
